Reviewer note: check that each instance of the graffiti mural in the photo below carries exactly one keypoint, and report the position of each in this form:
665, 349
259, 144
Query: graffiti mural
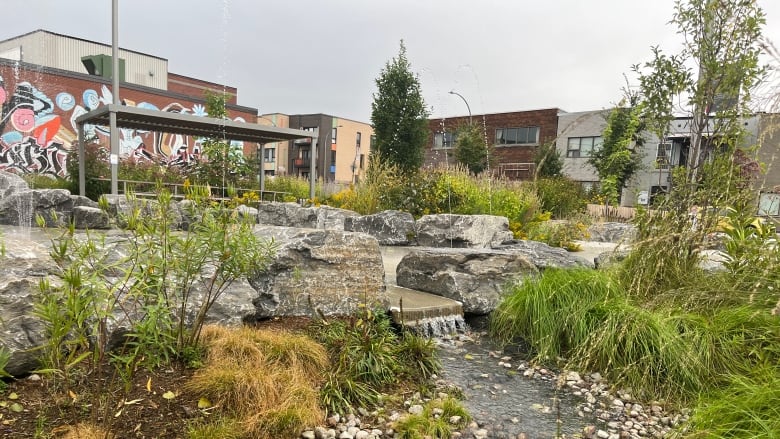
37, 131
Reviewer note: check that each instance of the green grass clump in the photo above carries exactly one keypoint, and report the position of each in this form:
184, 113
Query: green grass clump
749, 407
555, 312
369, 357
434, 421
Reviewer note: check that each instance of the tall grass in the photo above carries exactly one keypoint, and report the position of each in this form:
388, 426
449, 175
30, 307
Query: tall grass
267, 381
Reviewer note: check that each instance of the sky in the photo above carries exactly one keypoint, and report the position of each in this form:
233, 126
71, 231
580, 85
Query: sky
323, 56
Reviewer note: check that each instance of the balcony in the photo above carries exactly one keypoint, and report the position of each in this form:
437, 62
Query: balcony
304, 141
301, 163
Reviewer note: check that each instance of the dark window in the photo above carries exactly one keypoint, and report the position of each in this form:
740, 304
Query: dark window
583, 146
517, 136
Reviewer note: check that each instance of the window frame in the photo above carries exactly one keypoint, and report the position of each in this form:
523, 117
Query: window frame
504, 133
595, 145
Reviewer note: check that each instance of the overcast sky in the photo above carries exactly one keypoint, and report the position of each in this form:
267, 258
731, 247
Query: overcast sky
322, 56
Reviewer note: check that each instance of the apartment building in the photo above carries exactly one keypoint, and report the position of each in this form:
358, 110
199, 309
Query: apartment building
342, 148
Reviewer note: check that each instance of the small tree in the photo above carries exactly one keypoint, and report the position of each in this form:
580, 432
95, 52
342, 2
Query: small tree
398, 115
472, 150
220, 163
547, 161
618, 159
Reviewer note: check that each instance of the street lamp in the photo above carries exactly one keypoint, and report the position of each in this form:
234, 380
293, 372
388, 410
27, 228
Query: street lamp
453, 92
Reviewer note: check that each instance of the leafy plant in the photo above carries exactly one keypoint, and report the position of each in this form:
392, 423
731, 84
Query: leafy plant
472, 150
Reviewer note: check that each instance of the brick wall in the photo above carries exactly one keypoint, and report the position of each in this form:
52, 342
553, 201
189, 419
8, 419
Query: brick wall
545, 119
39, 108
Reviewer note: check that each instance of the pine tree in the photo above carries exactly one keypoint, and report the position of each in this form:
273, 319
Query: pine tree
399, 116
471, 149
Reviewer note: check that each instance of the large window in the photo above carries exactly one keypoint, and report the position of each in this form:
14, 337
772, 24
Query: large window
663, 155
517, 136
444, 140
583, 146
270, 154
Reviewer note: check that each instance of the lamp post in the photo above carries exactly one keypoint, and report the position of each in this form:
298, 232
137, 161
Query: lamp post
453, 92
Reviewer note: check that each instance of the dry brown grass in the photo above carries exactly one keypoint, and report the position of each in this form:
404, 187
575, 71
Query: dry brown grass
82, 431
267, 380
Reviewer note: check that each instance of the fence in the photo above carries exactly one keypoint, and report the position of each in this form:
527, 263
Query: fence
611, 213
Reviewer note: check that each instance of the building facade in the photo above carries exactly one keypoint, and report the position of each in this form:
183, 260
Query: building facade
515, 136
41, 101
342, 148
579, 134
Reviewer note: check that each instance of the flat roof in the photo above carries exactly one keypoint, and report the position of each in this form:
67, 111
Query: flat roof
188, 124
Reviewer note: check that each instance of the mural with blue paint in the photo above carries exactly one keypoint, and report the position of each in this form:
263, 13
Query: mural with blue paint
37, 132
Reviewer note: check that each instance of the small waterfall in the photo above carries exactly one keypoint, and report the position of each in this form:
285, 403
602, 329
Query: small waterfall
24, 207
435, 327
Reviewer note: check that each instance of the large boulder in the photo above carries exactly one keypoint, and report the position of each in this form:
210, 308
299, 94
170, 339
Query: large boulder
10, 183
331, 218
24, 264
544, 256
90, 218
121, 207
391, 227
612, 232
460, 231
287, 215
315, 272
474, 277
21, 207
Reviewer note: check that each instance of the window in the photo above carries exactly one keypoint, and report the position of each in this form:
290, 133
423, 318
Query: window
444, 140
583, 146
362, 160
333, 157
663, 155
269, 154
357, 139
517, 136
333, 133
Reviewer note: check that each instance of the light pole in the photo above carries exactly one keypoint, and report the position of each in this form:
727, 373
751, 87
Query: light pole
453, 92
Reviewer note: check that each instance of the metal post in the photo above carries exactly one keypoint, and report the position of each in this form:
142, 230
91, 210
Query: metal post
262, 169
453, 92
313, 162
82, 165
113, 132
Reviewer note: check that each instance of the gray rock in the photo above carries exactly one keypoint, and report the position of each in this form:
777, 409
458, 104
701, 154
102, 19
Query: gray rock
11, 183
608, 259
90, 218
612, 232
121, 207
287, 215
318, 271
21, 207
79, 201
459, 231
544, 256
248, 212
331, 218
391, 227
24, 265
474, 277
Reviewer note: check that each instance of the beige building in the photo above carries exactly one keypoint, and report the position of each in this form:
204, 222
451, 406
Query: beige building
275, 155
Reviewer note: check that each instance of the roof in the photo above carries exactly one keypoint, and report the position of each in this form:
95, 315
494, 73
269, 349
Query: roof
188, 124
78, 39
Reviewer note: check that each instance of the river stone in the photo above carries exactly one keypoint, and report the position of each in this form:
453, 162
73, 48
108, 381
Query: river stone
474, 277
459, 231
10, 183
54, 206
79, 201
24, 264
612, 232
315, 272
390, 227
287, 215
607, 259
90, 218
544, 256
331, 218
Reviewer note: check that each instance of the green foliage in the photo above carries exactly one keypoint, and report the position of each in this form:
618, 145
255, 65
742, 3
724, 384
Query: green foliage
155, 282
95, 166
399, 116
472, 149
618, 158
561, 196
297, 188
369, 357
5, 357
548, 161
749, 407
559, 233
220, 164
428, 425
46, 181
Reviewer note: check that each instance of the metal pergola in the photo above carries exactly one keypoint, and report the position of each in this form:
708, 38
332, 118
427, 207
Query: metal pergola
186, 124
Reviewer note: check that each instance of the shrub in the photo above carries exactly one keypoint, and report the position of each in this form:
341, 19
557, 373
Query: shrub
95, 166
427, 424
561, 196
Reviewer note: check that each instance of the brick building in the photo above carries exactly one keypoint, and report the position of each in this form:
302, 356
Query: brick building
515, 135
48, 80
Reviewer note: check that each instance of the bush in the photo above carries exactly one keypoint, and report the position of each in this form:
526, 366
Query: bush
95, 166
561, 196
